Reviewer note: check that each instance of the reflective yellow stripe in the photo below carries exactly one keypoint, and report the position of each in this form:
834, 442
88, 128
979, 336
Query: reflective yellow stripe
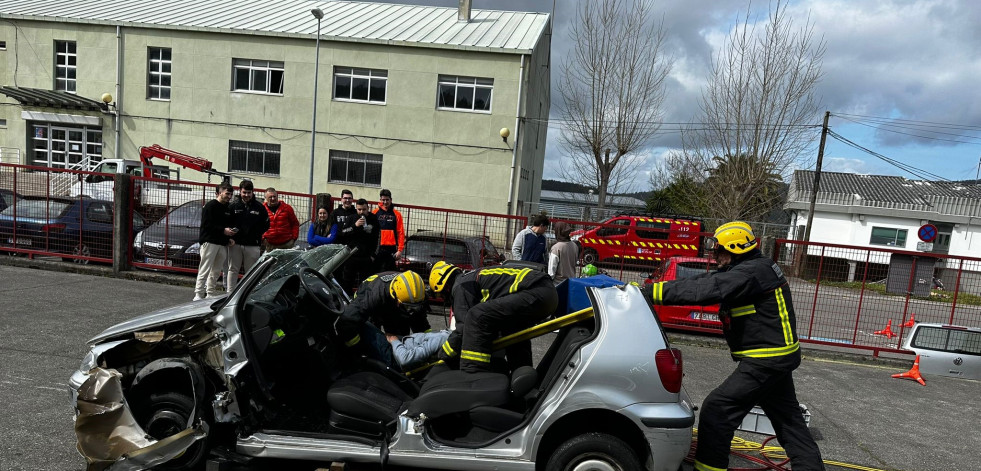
448, 349
353, 342
475, 356
657, 292
743, 310
699, 466
517, 280
788, 335
371, 278
768, 352
484, 295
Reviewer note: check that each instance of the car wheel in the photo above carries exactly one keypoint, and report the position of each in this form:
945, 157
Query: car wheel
590, 257
80, 250
166, 414
594, 452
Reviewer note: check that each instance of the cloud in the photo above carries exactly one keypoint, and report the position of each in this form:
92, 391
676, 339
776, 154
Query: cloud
845, 165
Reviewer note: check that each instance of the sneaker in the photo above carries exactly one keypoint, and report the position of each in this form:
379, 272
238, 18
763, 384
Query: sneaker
197, 297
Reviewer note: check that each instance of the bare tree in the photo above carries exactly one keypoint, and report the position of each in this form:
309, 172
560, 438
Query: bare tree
759, 107
612, 88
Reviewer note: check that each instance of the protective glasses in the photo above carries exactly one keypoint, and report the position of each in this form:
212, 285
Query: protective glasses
711, 244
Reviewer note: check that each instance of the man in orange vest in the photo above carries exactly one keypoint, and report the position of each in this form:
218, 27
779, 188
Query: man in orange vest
392, 243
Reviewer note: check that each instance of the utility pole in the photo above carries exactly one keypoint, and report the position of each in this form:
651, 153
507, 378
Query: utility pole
817, 178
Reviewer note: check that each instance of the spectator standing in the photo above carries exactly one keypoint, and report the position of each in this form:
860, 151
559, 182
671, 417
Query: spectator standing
564, 254
250, 220
284, 228
392, 242
530, 244
322, 231
760, 326
341, 213
214, 238
361, 232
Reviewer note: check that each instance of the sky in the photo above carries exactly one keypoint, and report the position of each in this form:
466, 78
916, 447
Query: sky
899, 78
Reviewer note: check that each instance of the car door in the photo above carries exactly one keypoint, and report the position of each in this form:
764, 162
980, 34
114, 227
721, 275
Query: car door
613, 238
97, 229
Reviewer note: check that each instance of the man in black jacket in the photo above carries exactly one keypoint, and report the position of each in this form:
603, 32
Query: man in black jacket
760, 326
214, 237
251, 220
339, 217
361, 232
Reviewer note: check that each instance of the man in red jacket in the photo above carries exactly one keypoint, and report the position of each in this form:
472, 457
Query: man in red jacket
284, 228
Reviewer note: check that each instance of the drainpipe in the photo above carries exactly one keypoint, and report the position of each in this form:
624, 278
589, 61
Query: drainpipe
517, 123
119, 96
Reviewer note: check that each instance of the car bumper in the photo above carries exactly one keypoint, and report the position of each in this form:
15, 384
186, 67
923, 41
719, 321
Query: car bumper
668, 429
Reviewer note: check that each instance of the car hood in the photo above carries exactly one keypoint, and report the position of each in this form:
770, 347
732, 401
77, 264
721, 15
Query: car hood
180, 312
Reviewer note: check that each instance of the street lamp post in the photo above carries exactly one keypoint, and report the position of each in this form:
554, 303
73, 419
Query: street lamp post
319, 14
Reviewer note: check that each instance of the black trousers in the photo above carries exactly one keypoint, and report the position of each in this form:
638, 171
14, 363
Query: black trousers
385, 259
489, 320
725, 407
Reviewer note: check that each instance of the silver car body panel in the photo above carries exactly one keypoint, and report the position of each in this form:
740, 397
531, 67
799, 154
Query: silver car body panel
614, 371
947, 350
180, 312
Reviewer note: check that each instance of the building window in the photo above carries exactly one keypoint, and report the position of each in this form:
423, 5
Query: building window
253, 157
3, 123
464, 93
158, 73
888, 236
364, 85
258, 76
3, 45
63, 146
355, 167
65, 66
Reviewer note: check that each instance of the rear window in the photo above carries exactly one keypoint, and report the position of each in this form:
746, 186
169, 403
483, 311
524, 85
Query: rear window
948, 340
690, 269
8, 198
37, 209
433, 250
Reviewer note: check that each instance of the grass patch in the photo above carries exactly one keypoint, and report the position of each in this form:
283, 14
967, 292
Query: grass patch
880, 288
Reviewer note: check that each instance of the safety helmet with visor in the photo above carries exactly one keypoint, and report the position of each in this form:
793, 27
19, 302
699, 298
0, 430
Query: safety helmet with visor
735, 237
441, 276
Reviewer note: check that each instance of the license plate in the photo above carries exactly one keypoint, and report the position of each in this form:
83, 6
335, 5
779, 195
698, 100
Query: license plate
160, 262
704, 316
20, 241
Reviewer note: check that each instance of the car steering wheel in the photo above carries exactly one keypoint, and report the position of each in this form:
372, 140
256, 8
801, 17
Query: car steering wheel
321, 291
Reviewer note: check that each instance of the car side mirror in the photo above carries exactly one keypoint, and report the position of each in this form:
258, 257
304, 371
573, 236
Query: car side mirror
88, 178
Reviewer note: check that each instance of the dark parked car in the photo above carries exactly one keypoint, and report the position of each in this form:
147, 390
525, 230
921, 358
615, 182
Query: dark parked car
173, 240
423, 249
81, 227
7, 198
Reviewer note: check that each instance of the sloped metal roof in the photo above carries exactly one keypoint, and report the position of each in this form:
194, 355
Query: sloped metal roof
50, 99
380, 23
890, 192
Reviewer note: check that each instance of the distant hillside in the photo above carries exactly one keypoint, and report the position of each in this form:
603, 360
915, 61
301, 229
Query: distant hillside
569, 187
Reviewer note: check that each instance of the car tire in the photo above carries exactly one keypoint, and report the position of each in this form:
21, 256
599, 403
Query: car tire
594, 451
165, 414
590, 257
81, 250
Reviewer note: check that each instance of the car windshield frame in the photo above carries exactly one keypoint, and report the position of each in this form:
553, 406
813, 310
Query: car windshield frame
289, 262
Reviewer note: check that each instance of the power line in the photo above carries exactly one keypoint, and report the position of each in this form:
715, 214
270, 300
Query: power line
885, 126
917, 172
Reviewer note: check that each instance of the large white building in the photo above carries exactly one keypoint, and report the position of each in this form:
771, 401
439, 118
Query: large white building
411, 98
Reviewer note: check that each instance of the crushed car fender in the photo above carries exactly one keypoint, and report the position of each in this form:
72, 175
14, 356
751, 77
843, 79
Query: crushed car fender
108, 435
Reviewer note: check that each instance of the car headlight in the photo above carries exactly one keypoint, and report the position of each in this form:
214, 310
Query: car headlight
196, 248
575, 237
89, 361
138, 240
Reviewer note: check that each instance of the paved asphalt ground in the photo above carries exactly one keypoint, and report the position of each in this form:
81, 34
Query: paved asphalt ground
860, 415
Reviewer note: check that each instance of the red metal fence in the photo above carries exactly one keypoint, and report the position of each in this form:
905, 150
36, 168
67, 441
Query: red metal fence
844, 294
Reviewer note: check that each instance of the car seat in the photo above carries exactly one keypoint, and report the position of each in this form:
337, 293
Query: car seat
366, 403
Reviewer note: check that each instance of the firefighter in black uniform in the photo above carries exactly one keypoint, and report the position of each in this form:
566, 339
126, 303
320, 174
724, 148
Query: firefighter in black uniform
391, 301
760, 327
487, 303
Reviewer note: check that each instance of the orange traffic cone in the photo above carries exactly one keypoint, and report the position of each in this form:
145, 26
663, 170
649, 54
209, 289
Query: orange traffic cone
911, 321
887, 331
913, 373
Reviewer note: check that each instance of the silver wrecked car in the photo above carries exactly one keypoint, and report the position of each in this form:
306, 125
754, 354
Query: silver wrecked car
260, 374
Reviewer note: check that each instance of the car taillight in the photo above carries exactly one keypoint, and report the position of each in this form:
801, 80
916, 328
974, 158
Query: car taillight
53, 227
669, 368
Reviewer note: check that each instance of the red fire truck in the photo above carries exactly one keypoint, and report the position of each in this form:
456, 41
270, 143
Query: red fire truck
639, 239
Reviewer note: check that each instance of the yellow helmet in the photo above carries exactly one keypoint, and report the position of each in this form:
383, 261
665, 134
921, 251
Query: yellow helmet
441, 275
736, 237
408, 288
